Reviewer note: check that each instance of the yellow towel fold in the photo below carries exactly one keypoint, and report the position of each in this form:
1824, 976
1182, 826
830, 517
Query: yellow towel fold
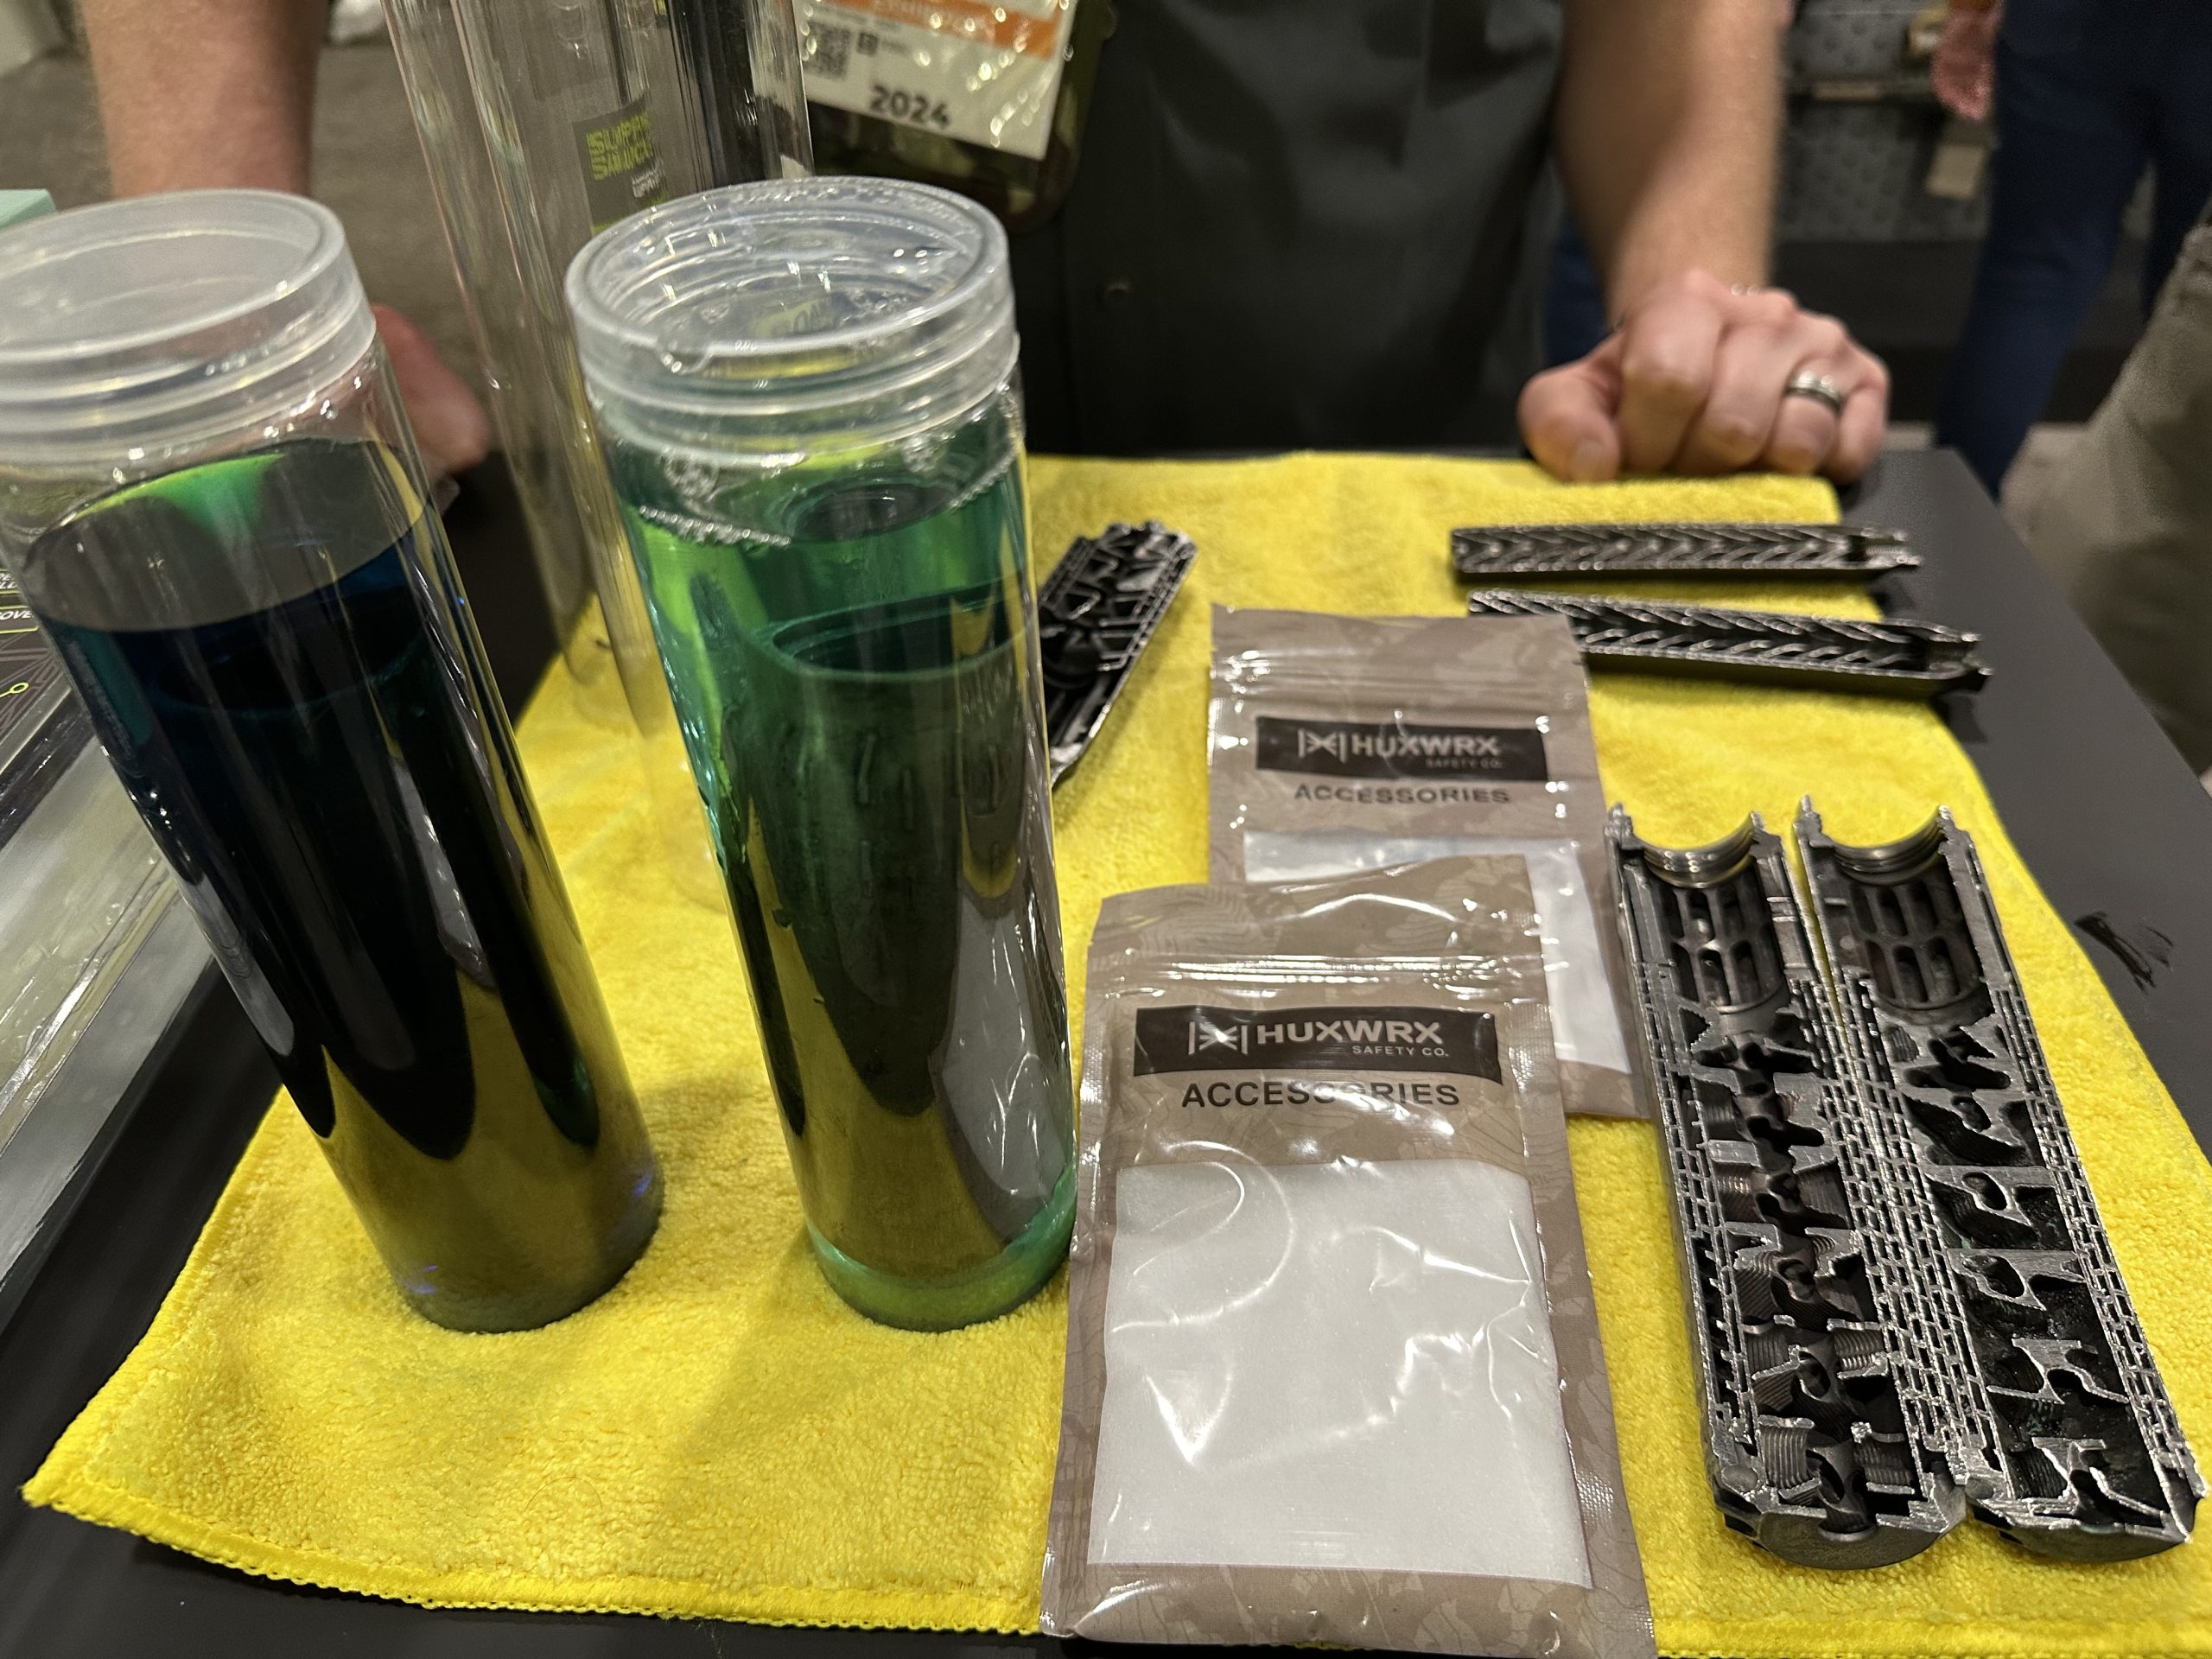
719, 1436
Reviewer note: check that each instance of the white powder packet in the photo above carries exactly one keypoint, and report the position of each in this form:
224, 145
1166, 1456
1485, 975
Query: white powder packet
1334, 1367
1412, 1294
1339, 744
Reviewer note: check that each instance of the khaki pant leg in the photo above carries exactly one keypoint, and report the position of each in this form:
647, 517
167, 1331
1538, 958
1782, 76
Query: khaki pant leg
2126, 524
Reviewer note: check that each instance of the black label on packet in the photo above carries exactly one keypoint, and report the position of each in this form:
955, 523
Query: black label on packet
1389, 748
1195, 1038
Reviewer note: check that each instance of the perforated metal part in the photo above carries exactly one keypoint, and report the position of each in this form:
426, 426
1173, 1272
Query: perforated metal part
1913, 659
2069, 1442
1856, 172
1485, 551
1096, 614
1817, 1416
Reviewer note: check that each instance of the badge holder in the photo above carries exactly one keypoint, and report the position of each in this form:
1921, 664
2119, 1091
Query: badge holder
989, 101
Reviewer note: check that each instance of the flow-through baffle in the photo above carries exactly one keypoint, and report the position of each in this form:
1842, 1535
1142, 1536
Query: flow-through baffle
2074, 1449
1818, 1422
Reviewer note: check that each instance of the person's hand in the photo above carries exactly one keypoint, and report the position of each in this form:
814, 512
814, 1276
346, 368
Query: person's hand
1964, 68
451, 428
1696, 380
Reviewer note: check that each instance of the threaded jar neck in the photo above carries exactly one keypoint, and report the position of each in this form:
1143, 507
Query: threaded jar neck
800, 316
141, 331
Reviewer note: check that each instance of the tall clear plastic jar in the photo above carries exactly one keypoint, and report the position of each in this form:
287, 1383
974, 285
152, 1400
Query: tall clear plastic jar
542, 121
210, 498
806, 393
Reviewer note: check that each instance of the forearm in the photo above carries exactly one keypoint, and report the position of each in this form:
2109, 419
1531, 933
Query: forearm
1668, 119
198, 93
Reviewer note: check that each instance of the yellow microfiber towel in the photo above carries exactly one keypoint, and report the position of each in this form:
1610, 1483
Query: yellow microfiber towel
720, 1436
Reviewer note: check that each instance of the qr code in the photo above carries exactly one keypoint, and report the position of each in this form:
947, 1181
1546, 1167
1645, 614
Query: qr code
829, 51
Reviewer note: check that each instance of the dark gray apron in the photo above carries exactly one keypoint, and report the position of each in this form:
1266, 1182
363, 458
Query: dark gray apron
1296, 222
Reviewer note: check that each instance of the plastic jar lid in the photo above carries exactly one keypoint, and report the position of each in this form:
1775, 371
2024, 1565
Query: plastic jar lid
795, 314
170, 323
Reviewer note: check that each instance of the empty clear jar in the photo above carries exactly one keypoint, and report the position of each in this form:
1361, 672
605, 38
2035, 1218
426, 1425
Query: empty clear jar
210, 497
541, 122
807, 398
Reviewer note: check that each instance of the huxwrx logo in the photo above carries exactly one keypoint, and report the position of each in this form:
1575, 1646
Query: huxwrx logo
1387, 748
1388, 1038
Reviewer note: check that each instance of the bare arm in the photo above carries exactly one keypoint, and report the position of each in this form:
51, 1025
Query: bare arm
202, 94
1668, 120
1670, 112
197, 93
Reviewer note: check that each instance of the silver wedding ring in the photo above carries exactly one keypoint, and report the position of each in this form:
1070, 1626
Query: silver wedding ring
1818, 387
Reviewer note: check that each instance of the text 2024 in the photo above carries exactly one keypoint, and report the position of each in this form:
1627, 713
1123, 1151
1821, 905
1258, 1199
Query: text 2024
918, 109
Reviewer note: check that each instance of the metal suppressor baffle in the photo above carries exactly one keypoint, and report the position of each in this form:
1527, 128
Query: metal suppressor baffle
1817, 1418
1820, 653
1484, 550
2080, 1454
1096, 614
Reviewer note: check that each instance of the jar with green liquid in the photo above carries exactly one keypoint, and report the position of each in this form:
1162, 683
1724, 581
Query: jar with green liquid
806, 391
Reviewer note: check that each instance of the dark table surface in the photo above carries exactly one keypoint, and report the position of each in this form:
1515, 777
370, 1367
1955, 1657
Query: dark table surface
2106, 815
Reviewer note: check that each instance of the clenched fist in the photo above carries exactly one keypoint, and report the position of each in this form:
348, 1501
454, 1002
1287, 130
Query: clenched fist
1697, 380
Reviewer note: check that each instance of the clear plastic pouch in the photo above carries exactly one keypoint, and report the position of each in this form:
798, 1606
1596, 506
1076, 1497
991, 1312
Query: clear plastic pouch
1340, 744
1584, 1029
1334, 1372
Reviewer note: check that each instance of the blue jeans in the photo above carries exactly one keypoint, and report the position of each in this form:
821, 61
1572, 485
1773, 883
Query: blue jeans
1574, 300
2089, 92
